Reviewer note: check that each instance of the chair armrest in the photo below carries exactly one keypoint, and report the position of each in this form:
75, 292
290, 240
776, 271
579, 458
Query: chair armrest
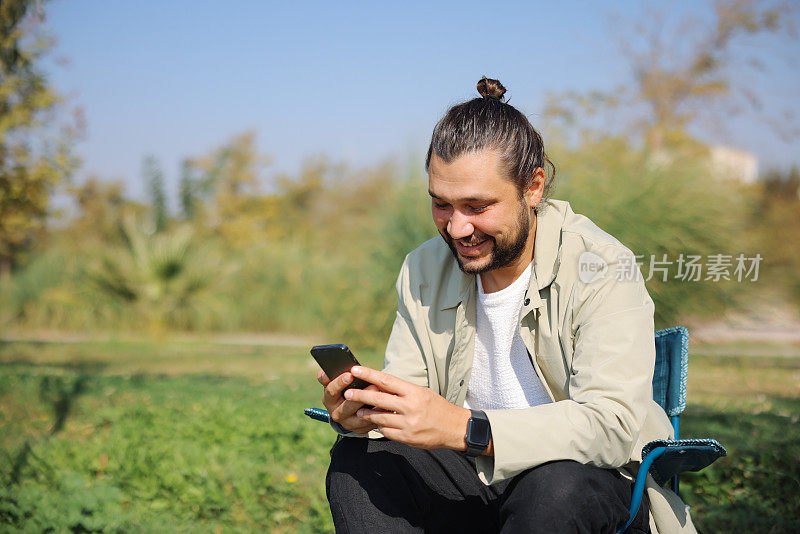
682, 455
664, 459
318, 414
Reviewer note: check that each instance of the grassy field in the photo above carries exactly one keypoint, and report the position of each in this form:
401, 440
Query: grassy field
202, 437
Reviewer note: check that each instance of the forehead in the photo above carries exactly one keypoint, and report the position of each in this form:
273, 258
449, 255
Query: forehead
474, 175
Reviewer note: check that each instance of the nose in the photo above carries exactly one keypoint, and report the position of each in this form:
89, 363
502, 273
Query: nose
459, 226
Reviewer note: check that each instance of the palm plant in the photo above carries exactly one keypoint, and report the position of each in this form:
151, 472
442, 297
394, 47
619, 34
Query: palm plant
160, 276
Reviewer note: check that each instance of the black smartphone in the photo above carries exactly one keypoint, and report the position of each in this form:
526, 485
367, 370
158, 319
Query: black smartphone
335, 360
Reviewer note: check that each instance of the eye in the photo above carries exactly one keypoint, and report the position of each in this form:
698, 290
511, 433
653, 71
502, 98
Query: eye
478, 209
439, 205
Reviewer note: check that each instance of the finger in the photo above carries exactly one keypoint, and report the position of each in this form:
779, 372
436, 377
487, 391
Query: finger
323, 378
359, 426
384, 381
349, 408
379, 399
391, 433
382, 419
335, 387
354, 423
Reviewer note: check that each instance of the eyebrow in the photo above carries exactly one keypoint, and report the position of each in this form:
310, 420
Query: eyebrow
468, 199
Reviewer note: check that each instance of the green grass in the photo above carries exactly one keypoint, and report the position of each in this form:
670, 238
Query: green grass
200, 437
752, 406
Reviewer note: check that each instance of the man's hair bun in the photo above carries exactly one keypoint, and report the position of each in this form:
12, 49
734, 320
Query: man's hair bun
489, 88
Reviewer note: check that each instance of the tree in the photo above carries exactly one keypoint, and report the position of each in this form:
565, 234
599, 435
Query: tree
776, 221
99, 203
685, 70
188, 191
33, 159
158, 198
226, 186
646, 179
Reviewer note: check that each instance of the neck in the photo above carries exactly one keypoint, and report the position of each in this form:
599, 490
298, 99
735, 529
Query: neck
501, 278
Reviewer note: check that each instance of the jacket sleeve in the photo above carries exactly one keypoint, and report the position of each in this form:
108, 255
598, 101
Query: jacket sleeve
609, 387
403, 357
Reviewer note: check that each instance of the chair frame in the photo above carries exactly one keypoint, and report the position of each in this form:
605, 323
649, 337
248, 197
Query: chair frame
703, 451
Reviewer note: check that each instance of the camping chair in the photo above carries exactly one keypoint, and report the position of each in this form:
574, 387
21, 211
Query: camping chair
663, 459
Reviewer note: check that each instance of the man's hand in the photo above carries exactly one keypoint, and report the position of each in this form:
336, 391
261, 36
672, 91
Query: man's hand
409, 413
343, 411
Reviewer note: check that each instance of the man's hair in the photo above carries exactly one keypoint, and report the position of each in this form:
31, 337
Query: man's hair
488, 122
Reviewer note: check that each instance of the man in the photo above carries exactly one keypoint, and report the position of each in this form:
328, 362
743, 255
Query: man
516, 390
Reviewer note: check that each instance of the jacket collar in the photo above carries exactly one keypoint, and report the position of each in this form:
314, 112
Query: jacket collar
546, 260
547, 245
458, 289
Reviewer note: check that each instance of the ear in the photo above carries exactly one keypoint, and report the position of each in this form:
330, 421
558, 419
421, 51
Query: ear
535, 190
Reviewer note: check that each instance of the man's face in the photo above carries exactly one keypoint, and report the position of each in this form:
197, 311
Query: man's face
478, 211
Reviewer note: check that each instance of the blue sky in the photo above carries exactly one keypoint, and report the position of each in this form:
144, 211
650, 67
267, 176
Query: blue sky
357, 82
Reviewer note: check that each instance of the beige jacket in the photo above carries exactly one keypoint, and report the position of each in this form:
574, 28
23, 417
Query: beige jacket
591, 344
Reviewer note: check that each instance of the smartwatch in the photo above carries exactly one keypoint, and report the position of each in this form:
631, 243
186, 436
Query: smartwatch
478, 433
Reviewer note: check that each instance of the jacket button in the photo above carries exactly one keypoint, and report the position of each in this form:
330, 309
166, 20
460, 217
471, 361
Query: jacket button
461, 383
527, 301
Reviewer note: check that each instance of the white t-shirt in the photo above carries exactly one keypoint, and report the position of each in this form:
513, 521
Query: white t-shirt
502, 376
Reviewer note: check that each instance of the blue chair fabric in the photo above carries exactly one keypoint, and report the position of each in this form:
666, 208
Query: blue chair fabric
672, 369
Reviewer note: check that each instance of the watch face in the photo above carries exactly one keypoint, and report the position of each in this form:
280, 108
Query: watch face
479, 432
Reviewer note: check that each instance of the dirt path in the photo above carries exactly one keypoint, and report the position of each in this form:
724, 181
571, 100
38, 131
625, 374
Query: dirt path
265, 339
771, 332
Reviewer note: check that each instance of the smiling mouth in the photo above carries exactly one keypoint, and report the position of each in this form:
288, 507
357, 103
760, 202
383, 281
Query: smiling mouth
467, 249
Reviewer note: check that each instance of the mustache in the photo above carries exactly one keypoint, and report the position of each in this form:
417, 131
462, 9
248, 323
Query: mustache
451, 243
474, 239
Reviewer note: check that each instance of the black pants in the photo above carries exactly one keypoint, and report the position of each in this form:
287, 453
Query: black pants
381, 486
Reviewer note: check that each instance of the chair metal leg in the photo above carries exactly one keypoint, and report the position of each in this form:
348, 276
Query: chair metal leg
676, 426
638, 486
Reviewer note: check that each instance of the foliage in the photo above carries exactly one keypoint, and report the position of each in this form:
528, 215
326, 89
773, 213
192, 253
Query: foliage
311, 271
684, 70
318, 250
45, 292
657, 208
321, 251
160, 274
155, 188
100, 204
32, 159
222, 191
187, 191
776, 224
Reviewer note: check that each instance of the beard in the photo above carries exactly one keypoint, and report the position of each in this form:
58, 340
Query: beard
502, 254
